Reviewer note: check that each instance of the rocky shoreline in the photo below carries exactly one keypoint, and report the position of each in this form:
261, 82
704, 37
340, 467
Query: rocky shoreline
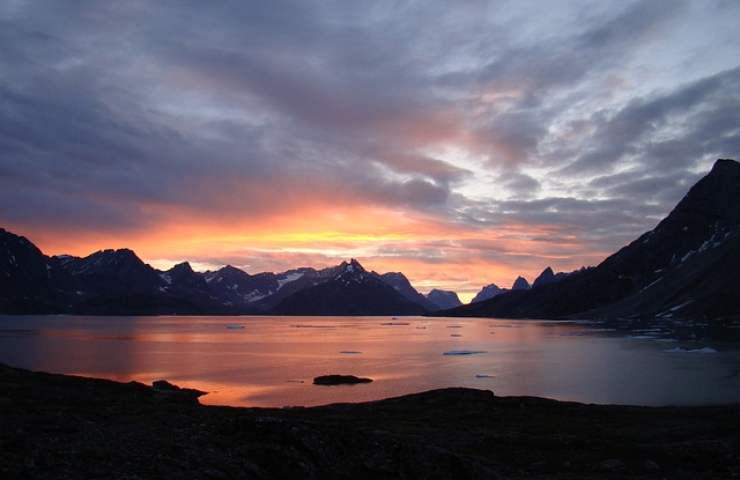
65, 427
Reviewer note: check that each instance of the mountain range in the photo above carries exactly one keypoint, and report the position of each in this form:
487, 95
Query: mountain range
687, 266
119, 282
521, 283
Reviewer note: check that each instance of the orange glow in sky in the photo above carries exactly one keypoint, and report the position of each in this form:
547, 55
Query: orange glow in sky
430, 252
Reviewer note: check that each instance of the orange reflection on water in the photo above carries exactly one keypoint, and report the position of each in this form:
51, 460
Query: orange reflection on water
272, 360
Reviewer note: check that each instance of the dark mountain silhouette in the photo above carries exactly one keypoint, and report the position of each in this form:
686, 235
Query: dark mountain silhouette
548, 276
26, 283
520, 283
118, 282
489, 291
352, 291
183, 282
687, 266
443, 299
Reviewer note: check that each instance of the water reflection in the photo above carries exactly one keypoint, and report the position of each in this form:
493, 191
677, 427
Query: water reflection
271, 361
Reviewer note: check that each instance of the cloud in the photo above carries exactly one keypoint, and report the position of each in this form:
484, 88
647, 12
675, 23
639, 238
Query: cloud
560, 132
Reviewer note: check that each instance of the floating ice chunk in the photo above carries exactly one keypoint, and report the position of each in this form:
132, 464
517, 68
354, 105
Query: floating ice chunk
690, 350
464, 352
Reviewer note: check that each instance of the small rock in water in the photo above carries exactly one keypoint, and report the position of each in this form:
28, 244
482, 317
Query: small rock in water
170, 391
340, 380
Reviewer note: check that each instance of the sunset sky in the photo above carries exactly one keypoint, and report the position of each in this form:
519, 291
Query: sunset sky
461, 146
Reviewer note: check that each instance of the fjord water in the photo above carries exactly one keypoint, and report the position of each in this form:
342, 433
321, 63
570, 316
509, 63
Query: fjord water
271, 361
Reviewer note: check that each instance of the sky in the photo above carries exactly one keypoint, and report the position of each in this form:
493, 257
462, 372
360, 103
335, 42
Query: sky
460, 145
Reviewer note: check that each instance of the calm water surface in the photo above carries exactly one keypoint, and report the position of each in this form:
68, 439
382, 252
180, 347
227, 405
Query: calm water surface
271, 361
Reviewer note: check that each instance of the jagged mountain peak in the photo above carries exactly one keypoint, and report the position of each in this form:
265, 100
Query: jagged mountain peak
444, 299
520, 283
108, 258
353, 267
547, 276
488, 291
182, 267
230, 269
724, 166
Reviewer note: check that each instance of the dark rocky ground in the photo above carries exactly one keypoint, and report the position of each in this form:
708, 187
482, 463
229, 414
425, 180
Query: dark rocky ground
55, 426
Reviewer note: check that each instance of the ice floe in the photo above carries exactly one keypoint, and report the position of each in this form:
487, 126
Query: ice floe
464, 352
692, 350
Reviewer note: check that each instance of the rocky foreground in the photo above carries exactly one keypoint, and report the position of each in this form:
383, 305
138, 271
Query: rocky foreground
56, 426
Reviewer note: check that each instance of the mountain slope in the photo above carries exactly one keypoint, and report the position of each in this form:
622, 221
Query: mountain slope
398, 281
686, 266
25, 276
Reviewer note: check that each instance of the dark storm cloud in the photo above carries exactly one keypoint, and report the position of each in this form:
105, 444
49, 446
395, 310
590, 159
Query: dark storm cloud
112, 115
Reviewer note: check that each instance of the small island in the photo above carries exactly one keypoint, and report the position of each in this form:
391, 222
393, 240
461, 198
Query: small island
340, 380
